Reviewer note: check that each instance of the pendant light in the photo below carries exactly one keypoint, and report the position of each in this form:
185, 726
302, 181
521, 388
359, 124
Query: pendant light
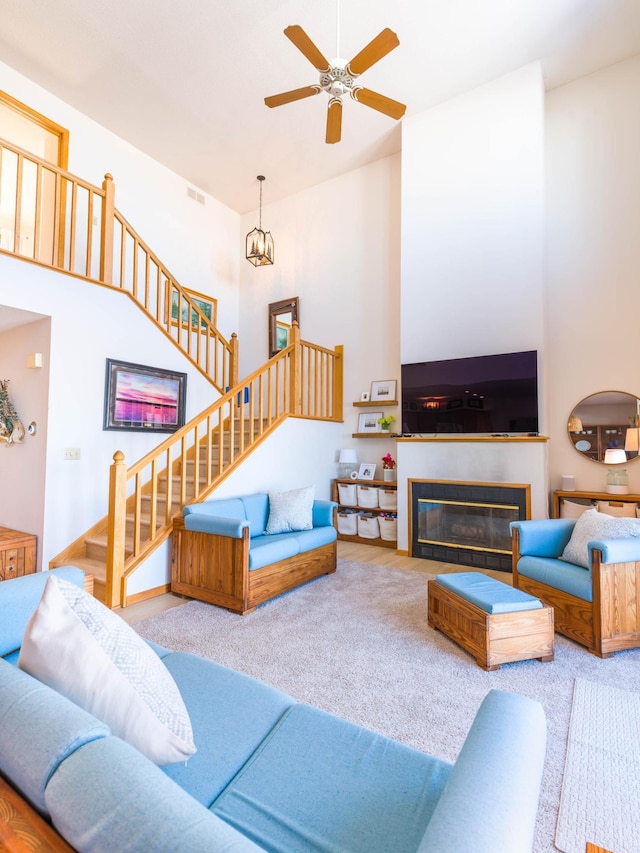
259, 243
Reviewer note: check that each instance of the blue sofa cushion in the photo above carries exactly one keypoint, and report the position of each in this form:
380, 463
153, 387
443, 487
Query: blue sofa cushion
20, 597
559, 574
339, 788
231, 714
310, 539
39, 728
544, 537
256, 509
264, 550
487, 593
107, 798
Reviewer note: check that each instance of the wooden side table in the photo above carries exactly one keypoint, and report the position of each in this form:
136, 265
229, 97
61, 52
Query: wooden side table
17, 553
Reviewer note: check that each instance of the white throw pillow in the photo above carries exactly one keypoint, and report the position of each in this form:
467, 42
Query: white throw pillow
78, 647
289, 511
596, 525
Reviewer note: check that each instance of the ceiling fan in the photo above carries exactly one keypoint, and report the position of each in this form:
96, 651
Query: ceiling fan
338, 78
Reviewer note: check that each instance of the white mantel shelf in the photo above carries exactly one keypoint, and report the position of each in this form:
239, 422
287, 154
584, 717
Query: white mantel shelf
481, 438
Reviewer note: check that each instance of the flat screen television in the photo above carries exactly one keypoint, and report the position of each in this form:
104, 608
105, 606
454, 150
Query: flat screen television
488, 394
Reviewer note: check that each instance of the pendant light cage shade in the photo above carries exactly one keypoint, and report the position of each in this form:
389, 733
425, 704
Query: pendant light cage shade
259, 250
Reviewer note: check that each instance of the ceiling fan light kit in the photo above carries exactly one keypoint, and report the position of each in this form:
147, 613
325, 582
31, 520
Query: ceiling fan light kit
338, 78
259, 244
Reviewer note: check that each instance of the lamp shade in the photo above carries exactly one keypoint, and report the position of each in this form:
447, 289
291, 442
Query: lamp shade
631, 441
614, 456
575, 424
348, 456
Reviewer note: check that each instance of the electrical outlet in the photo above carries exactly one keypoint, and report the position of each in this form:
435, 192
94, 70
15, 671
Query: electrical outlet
72, 453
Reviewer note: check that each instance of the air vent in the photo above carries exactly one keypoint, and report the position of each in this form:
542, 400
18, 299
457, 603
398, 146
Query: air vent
195, 195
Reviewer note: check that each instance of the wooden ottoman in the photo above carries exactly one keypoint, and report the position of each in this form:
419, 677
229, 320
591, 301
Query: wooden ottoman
489, 619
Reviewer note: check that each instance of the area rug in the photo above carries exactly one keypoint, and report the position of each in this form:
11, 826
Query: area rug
600, 800
357, 643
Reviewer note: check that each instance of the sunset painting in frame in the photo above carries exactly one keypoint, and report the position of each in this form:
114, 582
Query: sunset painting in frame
143, 398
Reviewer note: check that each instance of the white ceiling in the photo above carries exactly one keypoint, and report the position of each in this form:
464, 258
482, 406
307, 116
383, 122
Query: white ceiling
185, 81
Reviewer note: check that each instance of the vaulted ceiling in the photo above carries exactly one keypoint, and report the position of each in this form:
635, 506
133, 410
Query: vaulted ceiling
185, 81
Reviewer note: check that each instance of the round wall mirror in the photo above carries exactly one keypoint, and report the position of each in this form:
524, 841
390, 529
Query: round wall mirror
606, 424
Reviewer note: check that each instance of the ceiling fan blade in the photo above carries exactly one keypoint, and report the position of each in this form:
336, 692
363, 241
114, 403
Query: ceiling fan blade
297, 35
381, 45
379, 102
293, 95
334, 121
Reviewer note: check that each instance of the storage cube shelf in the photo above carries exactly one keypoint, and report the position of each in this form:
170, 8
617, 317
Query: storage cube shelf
363, 506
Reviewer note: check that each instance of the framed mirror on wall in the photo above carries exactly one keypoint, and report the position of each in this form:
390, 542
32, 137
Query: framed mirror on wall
606, 421
282, 316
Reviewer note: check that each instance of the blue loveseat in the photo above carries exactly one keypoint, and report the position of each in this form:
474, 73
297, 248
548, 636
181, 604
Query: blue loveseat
269, 773
222, 555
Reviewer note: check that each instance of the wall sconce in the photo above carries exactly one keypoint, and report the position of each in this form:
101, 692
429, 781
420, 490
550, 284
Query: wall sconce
34, 359
259, 244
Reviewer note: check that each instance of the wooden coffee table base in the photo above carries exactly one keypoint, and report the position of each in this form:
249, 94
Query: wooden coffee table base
492, 639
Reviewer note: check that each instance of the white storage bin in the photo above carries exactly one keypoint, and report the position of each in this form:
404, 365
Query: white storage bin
388, 498
368, 526
368, 496
347, 494
388, 528
348, 523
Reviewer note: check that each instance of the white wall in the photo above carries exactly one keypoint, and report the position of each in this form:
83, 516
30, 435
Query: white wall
593, 253
337, 247
472, 222
22, 466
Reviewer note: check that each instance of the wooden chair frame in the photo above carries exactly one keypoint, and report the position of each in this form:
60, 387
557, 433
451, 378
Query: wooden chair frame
609, 622
215, 569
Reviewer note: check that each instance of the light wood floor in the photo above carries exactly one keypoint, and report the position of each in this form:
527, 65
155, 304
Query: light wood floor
346, 550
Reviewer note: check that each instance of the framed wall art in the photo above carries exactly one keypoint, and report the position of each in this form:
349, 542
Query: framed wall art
384, 390
368, 422
140, 398
207, 305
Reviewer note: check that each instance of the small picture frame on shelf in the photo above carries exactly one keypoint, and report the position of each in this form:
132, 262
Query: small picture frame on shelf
384, 390
368, 422
364, 397
367, 471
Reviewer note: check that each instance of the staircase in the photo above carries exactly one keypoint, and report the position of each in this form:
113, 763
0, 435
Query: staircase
304, 380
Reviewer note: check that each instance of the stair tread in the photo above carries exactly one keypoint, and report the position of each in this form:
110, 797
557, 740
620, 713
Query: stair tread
91, 566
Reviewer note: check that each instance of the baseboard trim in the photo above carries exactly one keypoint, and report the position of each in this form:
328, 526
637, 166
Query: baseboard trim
148, 593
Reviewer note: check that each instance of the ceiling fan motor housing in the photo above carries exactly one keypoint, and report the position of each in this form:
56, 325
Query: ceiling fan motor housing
336, 82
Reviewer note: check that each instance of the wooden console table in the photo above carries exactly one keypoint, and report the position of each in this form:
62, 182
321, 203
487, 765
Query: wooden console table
588, 497
17, 553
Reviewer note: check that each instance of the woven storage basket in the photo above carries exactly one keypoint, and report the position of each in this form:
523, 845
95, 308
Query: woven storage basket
388, 498
368, 496
388, 529
368, 526
347, 494
348, 523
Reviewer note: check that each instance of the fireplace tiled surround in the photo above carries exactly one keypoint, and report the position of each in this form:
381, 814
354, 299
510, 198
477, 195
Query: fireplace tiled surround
469, 459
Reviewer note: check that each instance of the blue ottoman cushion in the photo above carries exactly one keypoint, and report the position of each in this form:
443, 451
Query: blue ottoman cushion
487, 593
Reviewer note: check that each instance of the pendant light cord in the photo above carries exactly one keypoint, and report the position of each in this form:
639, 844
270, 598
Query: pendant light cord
337, 27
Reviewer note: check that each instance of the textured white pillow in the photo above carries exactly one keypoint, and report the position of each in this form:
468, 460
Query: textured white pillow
78, 647
596, 525
289, 511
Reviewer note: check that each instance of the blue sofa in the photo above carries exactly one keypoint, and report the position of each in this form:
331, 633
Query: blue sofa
595, 606
269, 774
222, 555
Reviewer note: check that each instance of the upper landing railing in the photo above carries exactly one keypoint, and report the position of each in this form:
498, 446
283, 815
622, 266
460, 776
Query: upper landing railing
54, 218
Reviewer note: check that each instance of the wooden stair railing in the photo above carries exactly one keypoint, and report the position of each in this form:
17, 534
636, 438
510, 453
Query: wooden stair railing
50, 217
304, 380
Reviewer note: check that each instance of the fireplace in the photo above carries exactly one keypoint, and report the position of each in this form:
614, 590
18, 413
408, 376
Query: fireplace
466, 523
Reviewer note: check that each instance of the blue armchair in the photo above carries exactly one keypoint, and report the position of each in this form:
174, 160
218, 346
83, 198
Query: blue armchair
598, 606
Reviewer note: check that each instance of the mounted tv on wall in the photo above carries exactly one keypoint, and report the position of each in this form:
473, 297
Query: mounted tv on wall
489, 394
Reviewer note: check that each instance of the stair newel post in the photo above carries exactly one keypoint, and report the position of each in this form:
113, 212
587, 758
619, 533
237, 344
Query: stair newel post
338, 366
106, 230
295, 388
234, 353
116, 530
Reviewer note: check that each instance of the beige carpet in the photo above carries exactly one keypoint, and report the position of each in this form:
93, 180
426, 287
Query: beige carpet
357, 643
600, 799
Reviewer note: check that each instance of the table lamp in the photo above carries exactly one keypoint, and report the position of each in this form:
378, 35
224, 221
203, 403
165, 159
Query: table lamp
617, 478
347, 462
